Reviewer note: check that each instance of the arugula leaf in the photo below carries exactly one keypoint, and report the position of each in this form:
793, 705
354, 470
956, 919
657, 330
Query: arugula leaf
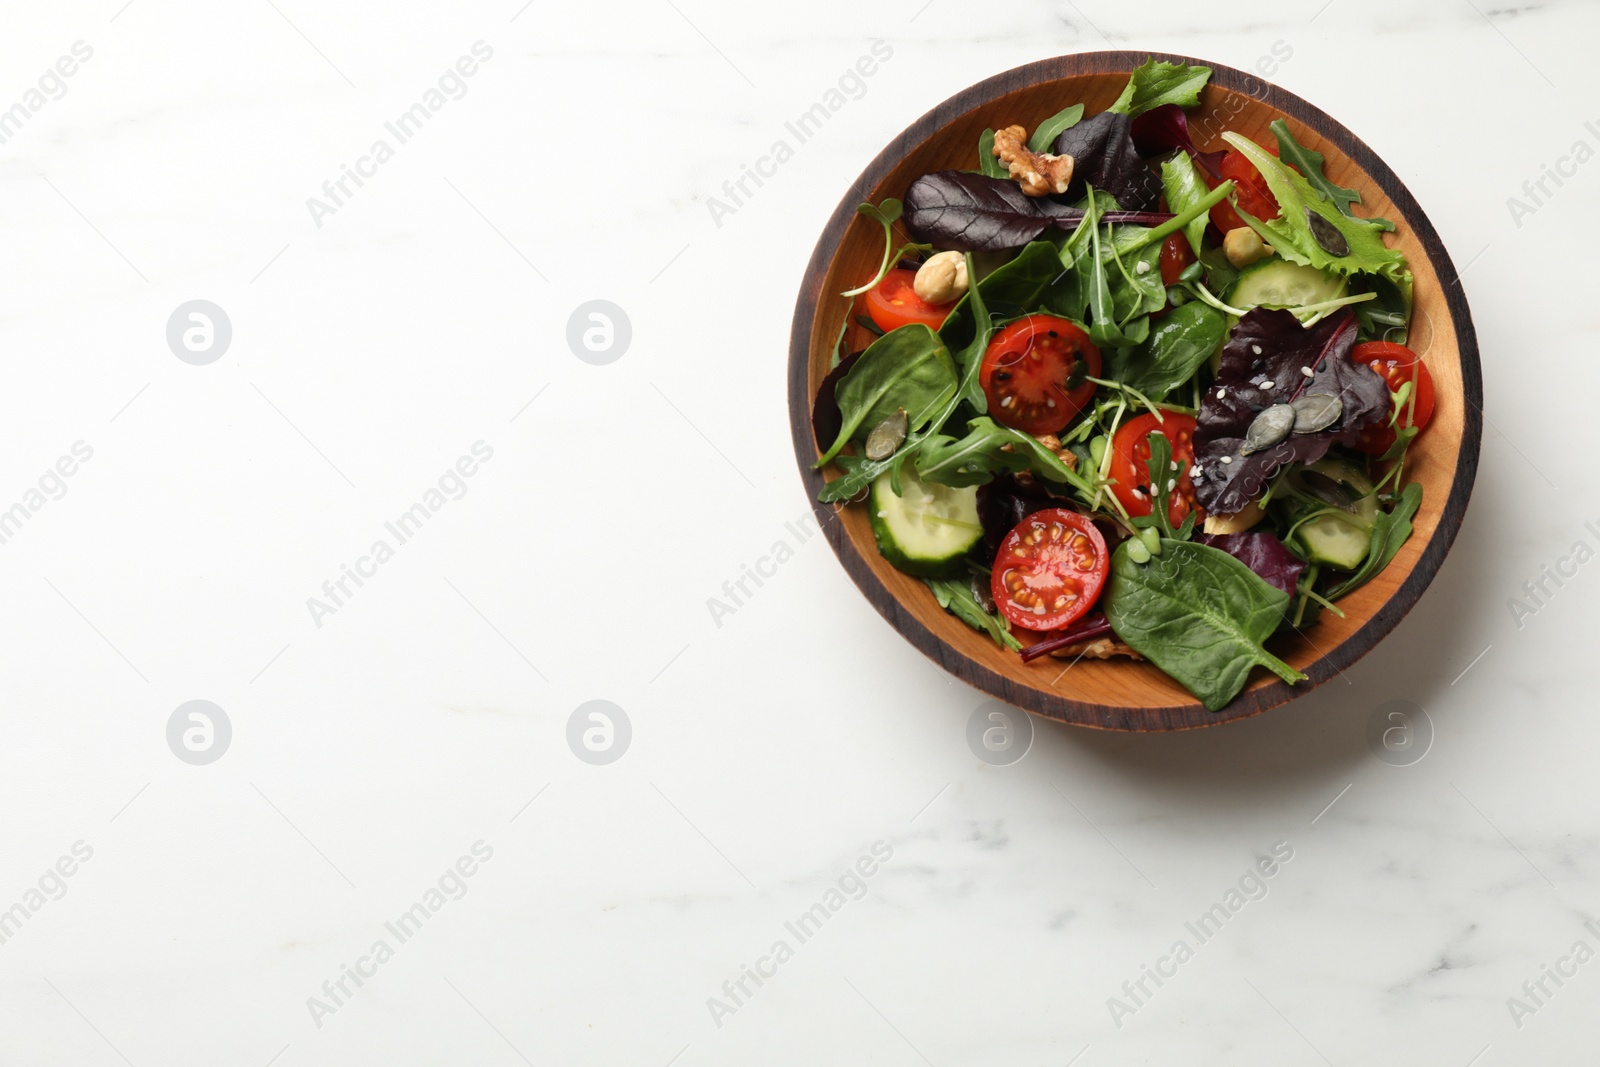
1184, 186
1119, 271
971, 460
1051, 128
1155, 83
987, 450
988, 164
1309, 164
1290, 234
1178, 345
955, 596
1159, 468
1390, 530
907, 368
1198, 614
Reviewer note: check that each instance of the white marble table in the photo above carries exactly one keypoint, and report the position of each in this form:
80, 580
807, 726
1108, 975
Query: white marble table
398, 771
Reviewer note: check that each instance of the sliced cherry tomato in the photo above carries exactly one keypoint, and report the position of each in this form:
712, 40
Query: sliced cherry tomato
1034, 372
1250, 190
1130, 457
1049, 569
1175, 256
892, 303
1397, 364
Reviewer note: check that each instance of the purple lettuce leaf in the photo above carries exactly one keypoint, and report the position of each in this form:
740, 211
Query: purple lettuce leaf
1272, 359
1103, 156
826, 418
952, 209
1160, 130
1263, 553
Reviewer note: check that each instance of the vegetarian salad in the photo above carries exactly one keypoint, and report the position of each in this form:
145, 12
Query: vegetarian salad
1125, 396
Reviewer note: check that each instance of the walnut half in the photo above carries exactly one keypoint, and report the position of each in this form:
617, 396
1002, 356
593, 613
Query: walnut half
1104, 648
1039, 173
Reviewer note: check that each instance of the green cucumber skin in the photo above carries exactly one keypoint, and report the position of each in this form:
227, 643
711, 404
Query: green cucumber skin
1331, 540
1249, 288
921, 565
919, 568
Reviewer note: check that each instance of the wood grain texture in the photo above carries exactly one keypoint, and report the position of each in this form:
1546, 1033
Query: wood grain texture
1117, 694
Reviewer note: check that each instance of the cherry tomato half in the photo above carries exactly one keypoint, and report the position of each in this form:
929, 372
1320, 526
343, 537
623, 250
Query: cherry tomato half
1250, 190
1175, 256
1049, 569
1397, 364
893, 303
1033, 373
1130, 457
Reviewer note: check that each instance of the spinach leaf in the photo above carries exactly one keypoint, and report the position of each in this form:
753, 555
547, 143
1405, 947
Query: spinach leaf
1290, 233
1051, 128
860, 472
1156, 83
988, 164
907, 368
1178, 345
1034, 281
955, 596
1184, 186
1390, 531
1309, 164
977, 213
1103, 156
1198, 614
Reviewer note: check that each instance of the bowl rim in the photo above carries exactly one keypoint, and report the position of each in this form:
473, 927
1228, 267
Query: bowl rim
1060, 707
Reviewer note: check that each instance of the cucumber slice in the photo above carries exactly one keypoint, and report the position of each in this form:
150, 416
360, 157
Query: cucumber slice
1340, 538
927, 528
1283, 284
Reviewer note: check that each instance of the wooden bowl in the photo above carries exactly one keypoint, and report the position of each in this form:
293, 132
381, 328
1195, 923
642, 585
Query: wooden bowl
1119, 694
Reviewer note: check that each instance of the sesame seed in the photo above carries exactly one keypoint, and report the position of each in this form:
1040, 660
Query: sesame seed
1173, 465
1256, 349
1308, 372
1269, 384
1141, 267
1227, 459
1172, 483
1222, 394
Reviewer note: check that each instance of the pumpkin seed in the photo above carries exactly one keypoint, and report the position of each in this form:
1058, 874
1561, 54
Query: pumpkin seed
887, 437
1269, 427
1316, 411
1327, 235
